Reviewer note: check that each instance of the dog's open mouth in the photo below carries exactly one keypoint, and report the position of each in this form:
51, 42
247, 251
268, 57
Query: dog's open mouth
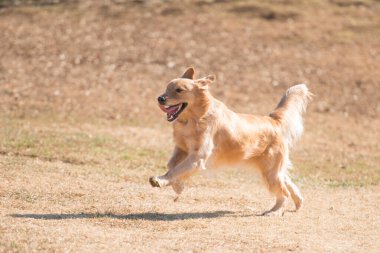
173, 111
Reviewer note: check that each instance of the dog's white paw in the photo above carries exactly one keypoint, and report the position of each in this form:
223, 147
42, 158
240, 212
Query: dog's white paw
154, 181
157, 181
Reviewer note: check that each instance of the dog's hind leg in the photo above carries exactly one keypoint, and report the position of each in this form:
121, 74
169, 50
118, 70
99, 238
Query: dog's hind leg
294, 192
277, 186
275, 180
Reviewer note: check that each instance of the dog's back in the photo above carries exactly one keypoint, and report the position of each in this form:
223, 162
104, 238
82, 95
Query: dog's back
243, 136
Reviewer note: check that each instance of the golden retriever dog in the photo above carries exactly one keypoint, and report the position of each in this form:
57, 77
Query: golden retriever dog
209, 135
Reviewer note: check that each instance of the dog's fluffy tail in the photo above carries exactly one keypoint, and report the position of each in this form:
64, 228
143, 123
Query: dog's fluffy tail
289, 112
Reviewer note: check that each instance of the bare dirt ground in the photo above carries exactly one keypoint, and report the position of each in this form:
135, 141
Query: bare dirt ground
80, 131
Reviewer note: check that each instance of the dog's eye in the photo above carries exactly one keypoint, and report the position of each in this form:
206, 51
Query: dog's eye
178, 90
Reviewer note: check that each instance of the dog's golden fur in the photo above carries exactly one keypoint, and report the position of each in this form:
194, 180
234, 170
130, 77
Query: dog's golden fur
208, 134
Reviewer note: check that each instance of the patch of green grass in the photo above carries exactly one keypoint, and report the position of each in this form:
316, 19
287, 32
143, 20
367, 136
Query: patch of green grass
126, 157
145, 152
358, 173
337, 183
67, 146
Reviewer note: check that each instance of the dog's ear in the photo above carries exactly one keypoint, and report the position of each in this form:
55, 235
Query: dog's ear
189, 73
204, 82
211, 78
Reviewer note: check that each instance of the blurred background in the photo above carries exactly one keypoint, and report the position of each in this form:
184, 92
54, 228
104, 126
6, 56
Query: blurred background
110, 59
80, 129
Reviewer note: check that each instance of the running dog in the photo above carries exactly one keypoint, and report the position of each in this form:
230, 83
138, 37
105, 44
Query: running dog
208, 134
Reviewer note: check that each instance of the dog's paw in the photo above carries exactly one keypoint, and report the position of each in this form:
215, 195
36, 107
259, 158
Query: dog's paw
159, 181
298, 203
154, 181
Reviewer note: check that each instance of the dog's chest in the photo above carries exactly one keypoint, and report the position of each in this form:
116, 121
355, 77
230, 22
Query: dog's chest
188, 136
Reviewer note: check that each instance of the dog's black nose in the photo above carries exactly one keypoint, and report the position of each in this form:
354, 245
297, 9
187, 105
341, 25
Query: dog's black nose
161, 100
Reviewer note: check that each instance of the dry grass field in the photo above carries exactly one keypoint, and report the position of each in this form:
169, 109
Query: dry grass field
81, 132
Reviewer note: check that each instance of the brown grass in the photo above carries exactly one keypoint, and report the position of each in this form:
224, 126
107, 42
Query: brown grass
80, 131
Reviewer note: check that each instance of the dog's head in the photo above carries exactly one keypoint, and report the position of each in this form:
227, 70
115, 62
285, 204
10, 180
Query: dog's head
183, 93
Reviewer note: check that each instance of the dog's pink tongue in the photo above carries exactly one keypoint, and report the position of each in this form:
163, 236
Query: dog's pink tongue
171, 110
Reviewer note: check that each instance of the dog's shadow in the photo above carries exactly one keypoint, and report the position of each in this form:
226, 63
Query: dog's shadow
151, 216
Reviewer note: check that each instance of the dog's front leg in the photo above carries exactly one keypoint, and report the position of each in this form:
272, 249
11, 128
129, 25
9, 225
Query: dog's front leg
183, 170
178, 156
195, 160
